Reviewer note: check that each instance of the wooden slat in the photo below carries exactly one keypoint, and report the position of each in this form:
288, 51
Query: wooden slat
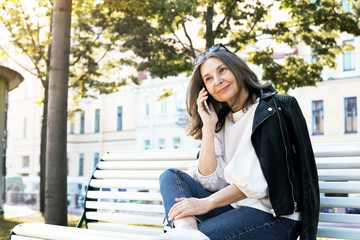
338, 153
125, 184
16, 237
339, 218
343, 233
143, 165
338, 163
125, 228
54, 232
151, 155
150, 196
128, 174
126, 218
340, 202
149, 208
339, 174
339, 187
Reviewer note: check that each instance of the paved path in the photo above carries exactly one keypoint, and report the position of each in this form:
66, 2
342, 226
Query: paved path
17, 211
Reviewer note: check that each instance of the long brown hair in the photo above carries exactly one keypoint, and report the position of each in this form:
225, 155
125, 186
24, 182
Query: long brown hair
244, 77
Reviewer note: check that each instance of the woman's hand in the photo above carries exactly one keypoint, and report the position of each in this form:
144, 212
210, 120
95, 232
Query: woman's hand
207, 119
188, 207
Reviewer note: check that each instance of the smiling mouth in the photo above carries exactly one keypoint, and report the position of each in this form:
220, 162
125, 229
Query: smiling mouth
224, 89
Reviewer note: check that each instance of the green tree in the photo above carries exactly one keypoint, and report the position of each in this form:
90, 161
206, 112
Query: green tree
56, 154
92, 69
152, 31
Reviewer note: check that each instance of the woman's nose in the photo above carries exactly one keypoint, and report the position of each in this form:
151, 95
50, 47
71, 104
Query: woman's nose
218, 80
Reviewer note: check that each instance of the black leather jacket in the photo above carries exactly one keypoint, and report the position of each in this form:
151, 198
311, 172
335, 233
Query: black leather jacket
281, 141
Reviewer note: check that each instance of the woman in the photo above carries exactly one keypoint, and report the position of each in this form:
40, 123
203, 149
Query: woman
255, 177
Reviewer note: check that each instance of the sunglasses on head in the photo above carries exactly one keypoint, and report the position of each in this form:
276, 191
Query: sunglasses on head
214, 48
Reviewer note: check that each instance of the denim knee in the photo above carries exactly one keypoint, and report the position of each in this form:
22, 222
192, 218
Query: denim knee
169, 173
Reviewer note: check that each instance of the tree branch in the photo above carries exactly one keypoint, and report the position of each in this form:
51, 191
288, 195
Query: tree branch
28, 27
189, 38
22, 66
227, 15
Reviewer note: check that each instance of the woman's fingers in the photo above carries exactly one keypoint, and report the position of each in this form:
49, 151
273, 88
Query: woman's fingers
177, 209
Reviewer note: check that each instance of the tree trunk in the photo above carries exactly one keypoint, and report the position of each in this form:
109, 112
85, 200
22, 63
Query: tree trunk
43, 147
56, 157
209, 36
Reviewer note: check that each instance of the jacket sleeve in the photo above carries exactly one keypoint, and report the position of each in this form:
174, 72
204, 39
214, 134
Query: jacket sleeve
309, 176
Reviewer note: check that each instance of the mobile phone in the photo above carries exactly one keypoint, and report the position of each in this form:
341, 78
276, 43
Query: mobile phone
207, 107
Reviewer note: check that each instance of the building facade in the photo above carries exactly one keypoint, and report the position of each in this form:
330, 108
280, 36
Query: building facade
331, 108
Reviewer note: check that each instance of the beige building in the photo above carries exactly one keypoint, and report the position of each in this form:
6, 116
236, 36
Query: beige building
331, 108
107, 123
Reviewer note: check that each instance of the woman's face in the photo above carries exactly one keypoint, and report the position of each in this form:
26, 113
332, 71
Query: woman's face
220, 82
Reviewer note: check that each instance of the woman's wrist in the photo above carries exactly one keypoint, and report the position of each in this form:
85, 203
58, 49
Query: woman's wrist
209, 203
208, 129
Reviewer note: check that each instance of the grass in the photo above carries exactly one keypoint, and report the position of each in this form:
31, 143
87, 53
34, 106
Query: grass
7, 224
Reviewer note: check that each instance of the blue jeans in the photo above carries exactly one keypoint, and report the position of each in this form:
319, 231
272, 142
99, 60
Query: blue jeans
226, 222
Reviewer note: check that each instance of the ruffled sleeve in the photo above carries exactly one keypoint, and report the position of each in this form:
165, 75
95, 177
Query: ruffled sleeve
216, 180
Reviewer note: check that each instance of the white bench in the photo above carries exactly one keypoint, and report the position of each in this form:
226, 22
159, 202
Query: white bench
339, 173
111, 212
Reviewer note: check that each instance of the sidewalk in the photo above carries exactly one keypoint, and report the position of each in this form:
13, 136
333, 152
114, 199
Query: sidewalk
23, 211
17, 211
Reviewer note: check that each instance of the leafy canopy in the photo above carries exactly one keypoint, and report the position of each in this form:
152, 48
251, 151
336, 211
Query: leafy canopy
160, 33
94, 53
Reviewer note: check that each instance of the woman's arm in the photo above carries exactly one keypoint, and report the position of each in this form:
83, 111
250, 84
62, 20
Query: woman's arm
207, 159
197, 206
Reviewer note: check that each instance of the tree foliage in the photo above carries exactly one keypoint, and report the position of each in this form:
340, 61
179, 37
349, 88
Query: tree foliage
158, 31
92, 69
29, 28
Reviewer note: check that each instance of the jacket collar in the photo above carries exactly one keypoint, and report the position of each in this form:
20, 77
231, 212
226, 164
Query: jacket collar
265, 95
265, 108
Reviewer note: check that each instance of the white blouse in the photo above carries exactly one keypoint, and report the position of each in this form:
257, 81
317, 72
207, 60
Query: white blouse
238, 163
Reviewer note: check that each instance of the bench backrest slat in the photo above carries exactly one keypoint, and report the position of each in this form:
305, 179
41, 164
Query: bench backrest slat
128, 174
340, 202
340, 218
338, 174
156, 155
147, 196
126, 218
138, 165
339, 187
125, 184
124, 189
350, 233
125, 207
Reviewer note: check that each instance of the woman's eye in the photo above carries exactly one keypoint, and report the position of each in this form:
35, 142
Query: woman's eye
208, 79
222, 70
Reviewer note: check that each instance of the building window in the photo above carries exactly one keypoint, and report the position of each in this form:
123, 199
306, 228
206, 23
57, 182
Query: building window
349, 58
147, 144
313, 56
318, 117
176, 142
96, 158
25, 161
147, 106
161, 143
81, 164
119, 118
347, 6
72, 127
97, 120
350, 115
24, 127
163, 107
82, 122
